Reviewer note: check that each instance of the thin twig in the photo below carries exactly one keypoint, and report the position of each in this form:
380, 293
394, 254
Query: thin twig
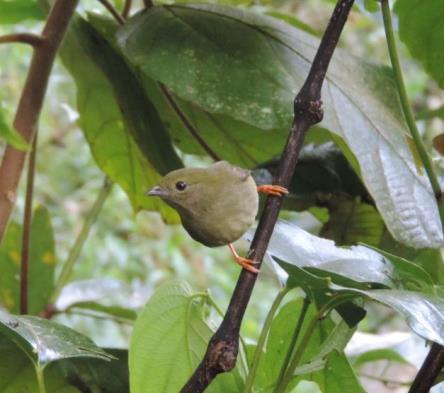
223, 347
119, 18
429, 371
30, 105
188, 125
34, 40
126, 9
26, 234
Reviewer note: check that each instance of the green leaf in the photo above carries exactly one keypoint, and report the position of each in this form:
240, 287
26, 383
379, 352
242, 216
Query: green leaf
16, 11
379, 354
45, 341
169, 339
265, 61
115, 311
102, 121
10, 135
42, 261
422, 30
17, 373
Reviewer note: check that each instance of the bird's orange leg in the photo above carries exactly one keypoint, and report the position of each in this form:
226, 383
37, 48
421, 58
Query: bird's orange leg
270, 189
244, 262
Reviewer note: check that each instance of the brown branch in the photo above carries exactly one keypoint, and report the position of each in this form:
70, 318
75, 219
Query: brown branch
26, 234
126, 9
119, 18
31, 101
429, 371
23, 38
188, 125
223, 347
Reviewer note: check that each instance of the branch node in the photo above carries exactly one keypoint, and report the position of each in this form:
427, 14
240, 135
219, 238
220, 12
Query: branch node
311, 109
222, 356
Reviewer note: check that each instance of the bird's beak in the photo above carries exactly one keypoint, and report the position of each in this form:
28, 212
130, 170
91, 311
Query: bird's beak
155, 191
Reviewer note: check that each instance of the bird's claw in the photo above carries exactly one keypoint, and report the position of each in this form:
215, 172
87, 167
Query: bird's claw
272, 189
247, 264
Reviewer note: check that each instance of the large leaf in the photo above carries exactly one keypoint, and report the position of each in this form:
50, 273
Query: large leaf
102, 121
297, 249
169, 339
15, 11
264, 62
422, 30
45, 341
42, 262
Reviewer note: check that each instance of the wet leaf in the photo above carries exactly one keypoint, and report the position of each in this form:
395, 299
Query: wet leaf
45, 341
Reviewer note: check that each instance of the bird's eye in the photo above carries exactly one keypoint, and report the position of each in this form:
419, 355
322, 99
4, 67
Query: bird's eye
181, 185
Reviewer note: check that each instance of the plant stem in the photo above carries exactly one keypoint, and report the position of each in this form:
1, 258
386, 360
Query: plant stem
119, 18
262, 337
90, 219
24, 38
294, 338
187, 123
26, 234
30, 104
40, 378
126, 9
405, 104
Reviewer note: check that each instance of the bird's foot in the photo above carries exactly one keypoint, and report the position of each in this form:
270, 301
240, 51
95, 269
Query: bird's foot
270, 189
246, 263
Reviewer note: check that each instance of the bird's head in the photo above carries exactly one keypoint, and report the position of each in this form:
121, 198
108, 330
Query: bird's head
182, 188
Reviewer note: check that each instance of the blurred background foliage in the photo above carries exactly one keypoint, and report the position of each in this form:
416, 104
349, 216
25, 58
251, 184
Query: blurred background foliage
130, 253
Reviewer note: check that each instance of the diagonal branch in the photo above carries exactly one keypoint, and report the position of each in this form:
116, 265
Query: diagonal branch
31, 101
223, 347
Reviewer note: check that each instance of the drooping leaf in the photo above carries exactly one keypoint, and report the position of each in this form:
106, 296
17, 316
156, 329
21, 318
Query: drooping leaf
265, 62
16, 11
45, 341
169, 339
101, 119
421, 29
42, 261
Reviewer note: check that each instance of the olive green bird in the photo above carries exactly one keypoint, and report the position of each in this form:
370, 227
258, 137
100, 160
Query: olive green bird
216, 205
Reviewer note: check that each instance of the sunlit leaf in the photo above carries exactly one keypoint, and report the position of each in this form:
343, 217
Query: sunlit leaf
9, 135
